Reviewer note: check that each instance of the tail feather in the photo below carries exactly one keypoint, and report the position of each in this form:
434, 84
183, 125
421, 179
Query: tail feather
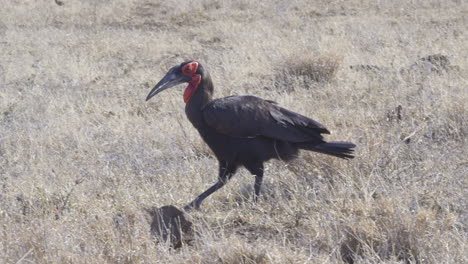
342, 150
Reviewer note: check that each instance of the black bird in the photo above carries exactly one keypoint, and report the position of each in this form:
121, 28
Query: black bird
245, 130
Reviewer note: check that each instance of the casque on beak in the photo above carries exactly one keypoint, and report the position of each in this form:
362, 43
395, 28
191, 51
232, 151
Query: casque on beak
172, 78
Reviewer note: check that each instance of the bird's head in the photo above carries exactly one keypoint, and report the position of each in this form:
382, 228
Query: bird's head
188, 72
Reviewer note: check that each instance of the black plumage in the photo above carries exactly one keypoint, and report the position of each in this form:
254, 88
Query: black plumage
245, 130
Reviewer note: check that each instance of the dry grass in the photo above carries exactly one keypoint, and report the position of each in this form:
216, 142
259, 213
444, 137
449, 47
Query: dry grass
82, 155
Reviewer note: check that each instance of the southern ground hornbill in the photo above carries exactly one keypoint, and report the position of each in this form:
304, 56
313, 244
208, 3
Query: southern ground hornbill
245, 130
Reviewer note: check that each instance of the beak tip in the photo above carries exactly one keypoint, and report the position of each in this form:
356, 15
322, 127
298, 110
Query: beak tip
149, 96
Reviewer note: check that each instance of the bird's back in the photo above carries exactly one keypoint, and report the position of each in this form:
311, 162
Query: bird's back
250, 116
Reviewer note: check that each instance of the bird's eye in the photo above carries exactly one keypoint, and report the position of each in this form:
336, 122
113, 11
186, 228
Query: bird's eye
190, 68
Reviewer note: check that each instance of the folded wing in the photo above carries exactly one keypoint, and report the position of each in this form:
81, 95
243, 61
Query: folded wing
250, 116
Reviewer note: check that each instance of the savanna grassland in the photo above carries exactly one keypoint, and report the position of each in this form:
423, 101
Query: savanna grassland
83, 156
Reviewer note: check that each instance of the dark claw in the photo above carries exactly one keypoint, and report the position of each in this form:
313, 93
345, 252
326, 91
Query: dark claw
191, 206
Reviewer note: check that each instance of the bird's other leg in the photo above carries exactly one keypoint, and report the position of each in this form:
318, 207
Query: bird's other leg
257, 170
226, 170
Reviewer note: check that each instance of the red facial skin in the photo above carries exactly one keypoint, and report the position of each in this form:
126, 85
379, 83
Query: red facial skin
190, 69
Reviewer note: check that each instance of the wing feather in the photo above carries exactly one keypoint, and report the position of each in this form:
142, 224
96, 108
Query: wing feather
250, 116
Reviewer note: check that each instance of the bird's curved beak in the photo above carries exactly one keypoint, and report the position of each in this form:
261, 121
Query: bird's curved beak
170, 80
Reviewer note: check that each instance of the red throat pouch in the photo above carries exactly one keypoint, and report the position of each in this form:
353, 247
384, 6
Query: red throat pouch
192, 87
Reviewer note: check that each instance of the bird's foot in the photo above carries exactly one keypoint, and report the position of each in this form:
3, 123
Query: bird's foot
188, 208
191, 206
256, 197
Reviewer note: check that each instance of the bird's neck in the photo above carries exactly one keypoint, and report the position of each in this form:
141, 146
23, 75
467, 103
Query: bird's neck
201, 97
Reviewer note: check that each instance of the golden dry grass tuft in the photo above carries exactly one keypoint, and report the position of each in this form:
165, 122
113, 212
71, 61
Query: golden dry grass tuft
83, 156
319, 69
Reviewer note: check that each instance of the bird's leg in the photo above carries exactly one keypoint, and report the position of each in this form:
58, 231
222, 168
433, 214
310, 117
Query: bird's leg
197, 201
226, 171
257, 185
257, 170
